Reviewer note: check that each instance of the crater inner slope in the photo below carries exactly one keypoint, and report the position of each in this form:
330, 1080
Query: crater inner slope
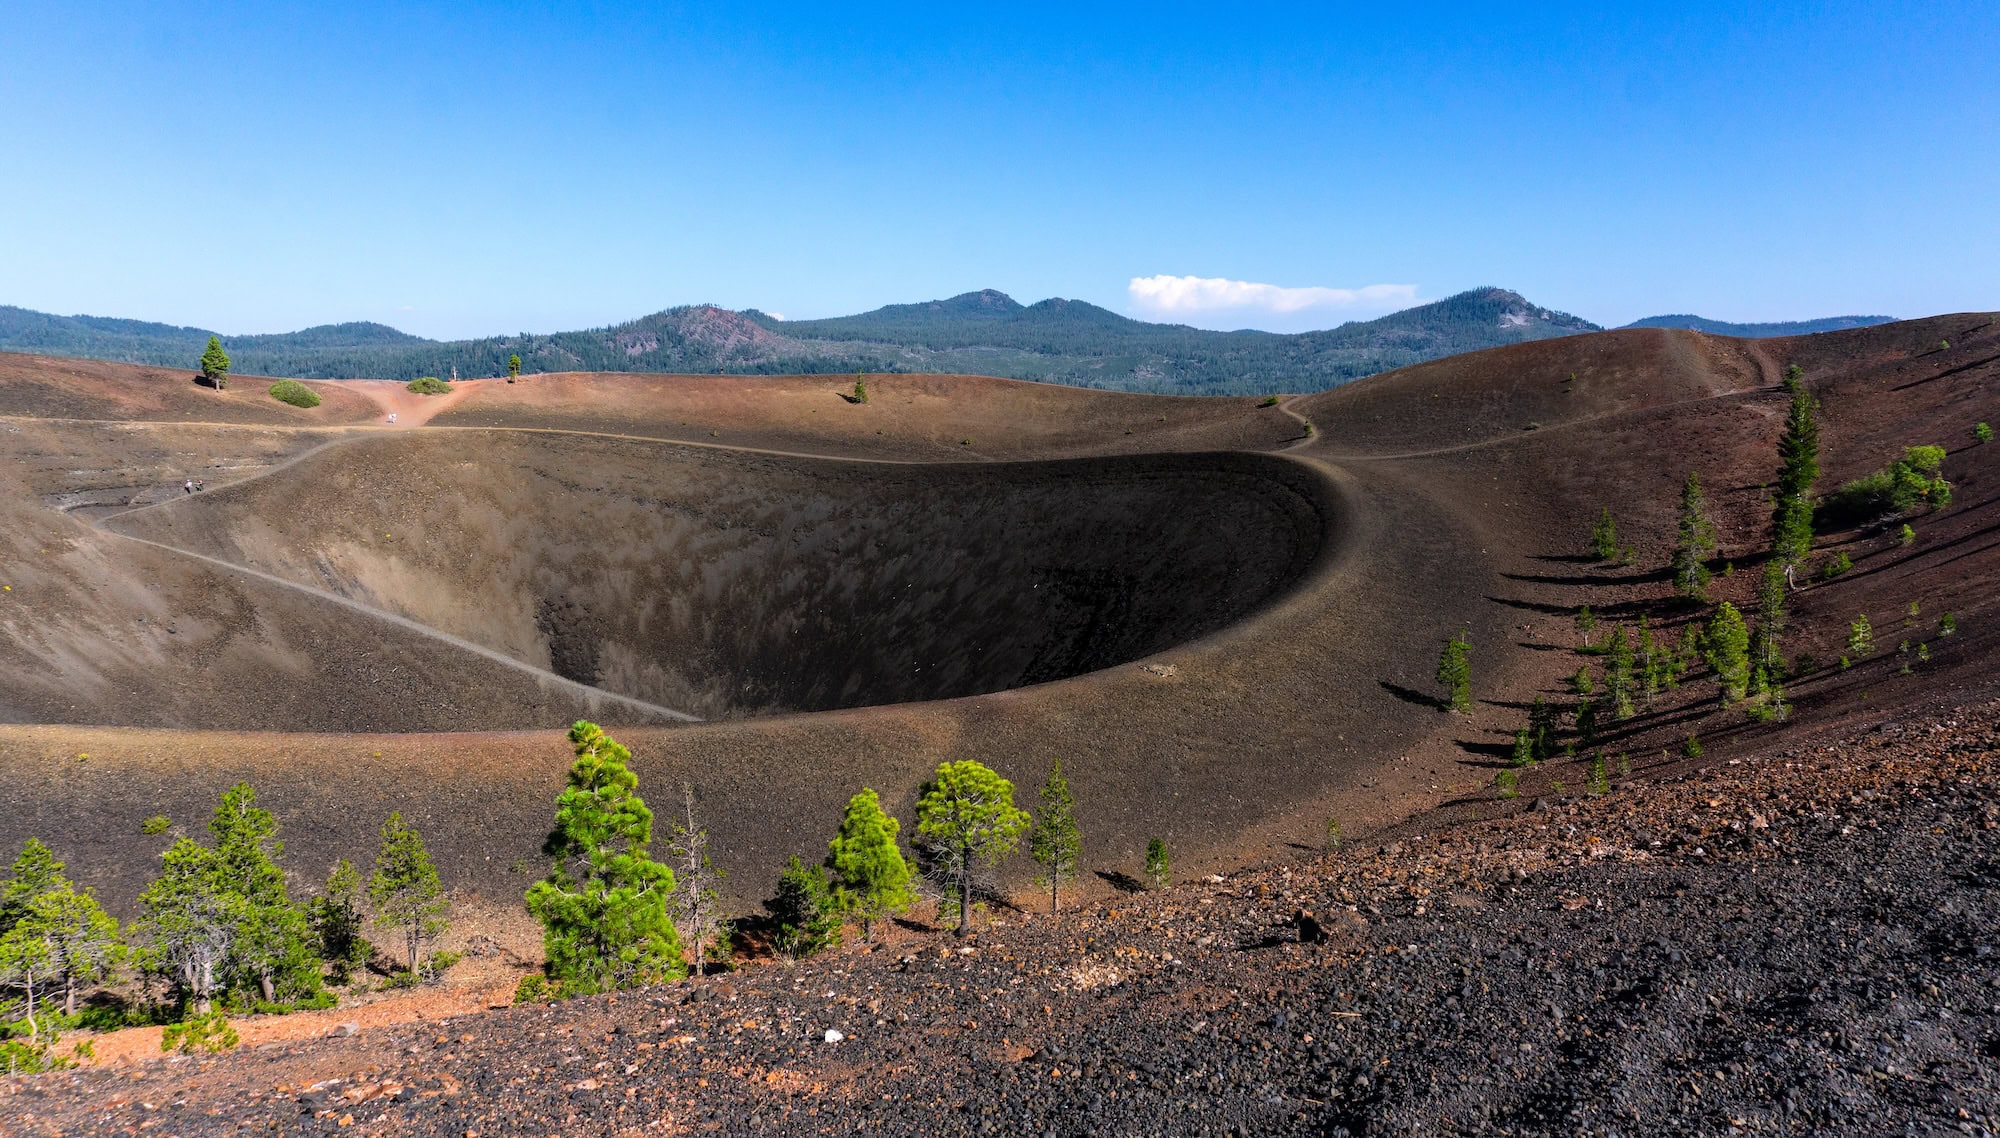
731, 584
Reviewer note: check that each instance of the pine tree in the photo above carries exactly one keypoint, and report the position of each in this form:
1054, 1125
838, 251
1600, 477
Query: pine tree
1589, 713
1798, 454
36, 871
1691, 649
1728, 652
405, 890
1454, 674
1586, 623
29, 967
1523, 752
605, 906
1695, 542
1580, 682
82, 938
1604, 536
697, 896
966, 816
188, 921
804, 911
513, 368
1159, 866
871, 878
1650, 661
1767, 646
215, 364
273, 946
1860, 638
336, 921
1057, 844
1618, 679
1544, 723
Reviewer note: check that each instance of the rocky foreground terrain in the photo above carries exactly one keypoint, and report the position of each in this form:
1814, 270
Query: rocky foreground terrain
1802, 943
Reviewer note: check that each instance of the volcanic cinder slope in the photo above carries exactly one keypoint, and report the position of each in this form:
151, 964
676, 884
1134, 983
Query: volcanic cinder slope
1221, 618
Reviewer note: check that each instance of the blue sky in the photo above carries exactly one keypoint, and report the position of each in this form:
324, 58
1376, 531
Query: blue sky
471, 169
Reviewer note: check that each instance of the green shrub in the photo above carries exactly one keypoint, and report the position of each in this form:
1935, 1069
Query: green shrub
210, 1033
1272, 401
1906, 535
1523, 752
1947, 625
722, 949
402, 978
1691, 748
1836, 565
429, 385
111, 1017
1506, 784
1860, 638
1981, 433
157, 824
1159, 864
295, 393
536, 988
29, 1057
1913, 480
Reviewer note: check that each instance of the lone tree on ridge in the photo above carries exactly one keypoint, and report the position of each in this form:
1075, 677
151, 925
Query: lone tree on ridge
215, 364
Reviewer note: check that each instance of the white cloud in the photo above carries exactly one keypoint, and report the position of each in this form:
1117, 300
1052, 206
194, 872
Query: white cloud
775, 315
1219, 300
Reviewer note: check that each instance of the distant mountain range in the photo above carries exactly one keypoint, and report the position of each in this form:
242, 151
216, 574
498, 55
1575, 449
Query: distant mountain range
982, 333
1761, 331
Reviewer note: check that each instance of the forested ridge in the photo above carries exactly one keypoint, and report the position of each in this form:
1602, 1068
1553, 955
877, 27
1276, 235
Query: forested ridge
983, 333
1760, 331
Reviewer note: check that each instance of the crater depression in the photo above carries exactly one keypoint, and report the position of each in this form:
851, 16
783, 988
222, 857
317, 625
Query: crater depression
727, 584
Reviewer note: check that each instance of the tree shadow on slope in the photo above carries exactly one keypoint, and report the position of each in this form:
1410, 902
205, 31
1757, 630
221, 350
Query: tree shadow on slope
1640, 578
1411, 695
1501, 754
1123, 882
1614, 609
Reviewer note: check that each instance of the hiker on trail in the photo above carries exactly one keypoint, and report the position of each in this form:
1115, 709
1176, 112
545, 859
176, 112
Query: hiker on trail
200, 485
392, 416
188, 486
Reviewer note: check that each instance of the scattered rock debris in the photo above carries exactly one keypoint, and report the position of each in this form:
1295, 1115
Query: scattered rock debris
1805, 943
